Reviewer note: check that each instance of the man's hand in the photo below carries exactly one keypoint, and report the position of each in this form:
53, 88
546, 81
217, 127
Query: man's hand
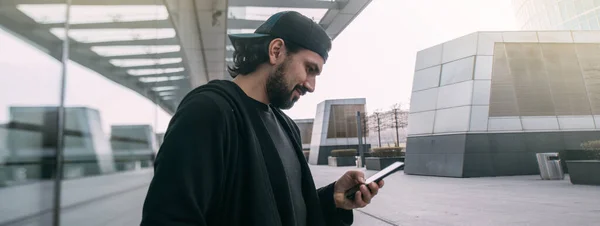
362, 197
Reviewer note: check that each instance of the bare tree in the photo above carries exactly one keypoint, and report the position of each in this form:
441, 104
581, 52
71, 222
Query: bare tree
386, 124
396, 118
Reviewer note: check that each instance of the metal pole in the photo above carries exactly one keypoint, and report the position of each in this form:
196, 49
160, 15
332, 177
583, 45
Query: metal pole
360, 143
364, 119
396, 120
61, 123
378, 129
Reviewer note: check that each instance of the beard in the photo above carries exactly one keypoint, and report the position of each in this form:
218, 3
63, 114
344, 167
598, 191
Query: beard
279, 94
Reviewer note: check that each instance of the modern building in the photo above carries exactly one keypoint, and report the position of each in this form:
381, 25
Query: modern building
557, 14
306, 127
31, 143
134, 146
335, 127
160, 137
484, 104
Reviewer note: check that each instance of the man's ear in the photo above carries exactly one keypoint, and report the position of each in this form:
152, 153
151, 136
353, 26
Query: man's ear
276, 50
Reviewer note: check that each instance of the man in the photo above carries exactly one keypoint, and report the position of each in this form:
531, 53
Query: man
230, 155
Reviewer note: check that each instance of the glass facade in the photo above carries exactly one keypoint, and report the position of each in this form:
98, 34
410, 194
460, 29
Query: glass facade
306, 129
342, 120
557, 14
122, 78
545, 79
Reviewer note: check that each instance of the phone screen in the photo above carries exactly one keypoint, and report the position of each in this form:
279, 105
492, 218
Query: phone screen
384, 172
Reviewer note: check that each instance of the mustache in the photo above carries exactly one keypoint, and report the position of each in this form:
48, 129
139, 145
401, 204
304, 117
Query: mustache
302, 89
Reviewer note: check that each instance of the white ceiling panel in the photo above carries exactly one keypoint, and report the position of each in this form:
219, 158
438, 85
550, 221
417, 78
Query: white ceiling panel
215, 66
215, 54
212, 40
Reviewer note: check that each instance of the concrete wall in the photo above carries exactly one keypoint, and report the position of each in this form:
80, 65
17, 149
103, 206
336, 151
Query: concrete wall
485, 103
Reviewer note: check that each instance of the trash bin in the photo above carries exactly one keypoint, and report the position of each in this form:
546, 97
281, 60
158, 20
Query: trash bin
550, 168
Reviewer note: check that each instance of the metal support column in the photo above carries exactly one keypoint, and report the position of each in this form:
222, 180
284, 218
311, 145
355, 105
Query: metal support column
61, 123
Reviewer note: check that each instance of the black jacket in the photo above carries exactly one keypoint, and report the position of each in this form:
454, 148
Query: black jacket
218, 166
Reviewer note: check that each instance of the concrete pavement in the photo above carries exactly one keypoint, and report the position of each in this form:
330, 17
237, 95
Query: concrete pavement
404, 200
517, 200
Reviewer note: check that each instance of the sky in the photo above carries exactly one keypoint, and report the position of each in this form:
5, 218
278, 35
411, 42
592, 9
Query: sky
372, 58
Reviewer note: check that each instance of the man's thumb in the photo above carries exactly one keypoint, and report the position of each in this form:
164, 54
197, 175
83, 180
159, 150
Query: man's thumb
358, 176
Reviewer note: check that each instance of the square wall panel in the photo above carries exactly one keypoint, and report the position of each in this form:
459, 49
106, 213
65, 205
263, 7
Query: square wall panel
481, 92
316, 139
358, 101
504, 124
353, 141
455, 95
421, 123
460, 48
327, 107
586, 36
555, 36
479, 118
332, 141
429, 57
336, 141
321, 107
534, 123
327, 141
426, 78
483, 67
326, 120
457, 71
519, 36
423, 100
576, 122
452, 120
317, 130
486, 42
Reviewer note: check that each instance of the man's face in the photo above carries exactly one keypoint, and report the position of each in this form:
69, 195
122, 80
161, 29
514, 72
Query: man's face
293, 77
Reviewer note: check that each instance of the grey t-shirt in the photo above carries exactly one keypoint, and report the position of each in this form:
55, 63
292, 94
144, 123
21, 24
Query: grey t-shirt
289, 159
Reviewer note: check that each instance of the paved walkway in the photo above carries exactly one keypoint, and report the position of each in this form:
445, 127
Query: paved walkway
405, 200
518, 200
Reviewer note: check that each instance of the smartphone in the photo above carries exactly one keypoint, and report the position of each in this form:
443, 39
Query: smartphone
375, 178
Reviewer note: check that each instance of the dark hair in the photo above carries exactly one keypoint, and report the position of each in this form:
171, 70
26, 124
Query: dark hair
249, 54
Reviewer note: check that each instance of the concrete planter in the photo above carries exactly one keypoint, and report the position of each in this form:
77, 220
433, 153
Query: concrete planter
379, 163
341, 161
584, 172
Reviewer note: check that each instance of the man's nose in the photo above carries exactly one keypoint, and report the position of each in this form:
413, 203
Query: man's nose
309, 84
310, 87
